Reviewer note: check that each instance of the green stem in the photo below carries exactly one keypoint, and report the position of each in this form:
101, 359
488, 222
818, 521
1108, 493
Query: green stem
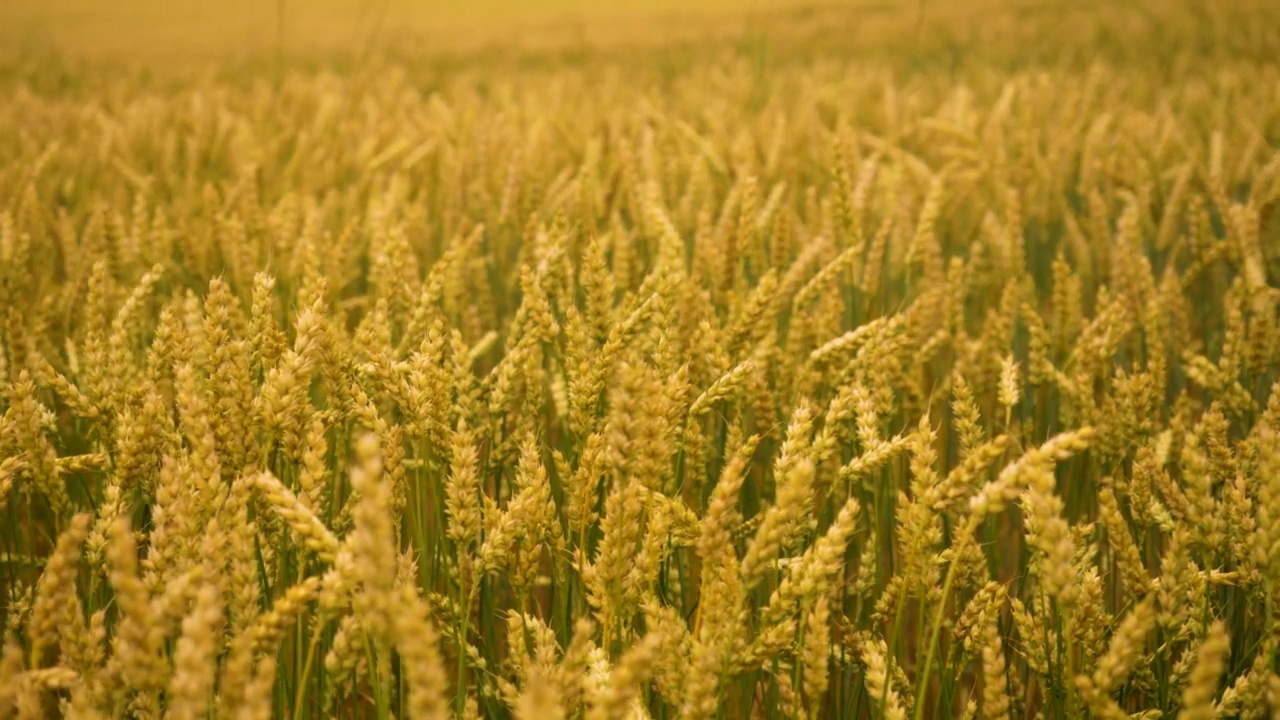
461, 701
301, 693
923, 679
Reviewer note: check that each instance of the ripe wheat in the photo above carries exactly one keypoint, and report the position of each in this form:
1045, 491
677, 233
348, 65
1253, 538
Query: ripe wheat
822, 384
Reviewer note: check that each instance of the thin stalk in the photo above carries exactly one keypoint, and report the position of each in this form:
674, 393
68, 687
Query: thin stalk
301, 694
923, 679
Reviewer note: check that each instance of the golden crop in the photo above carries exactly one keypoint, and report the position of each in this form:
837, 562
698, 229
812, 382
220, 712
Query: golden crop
825, 362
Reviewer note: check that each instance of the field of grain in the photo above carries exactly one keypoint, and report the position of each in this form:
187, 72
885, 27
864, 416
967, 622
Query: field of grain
839, 360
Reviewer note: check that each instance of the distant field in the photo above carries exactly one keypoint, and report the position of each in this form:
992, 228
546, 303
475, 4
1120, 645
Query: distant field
165, 32
640, 361
168, 29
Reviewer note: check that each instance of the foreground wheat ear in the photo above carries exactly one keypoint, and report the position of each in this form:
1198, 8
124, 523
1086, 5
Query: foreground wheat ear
645, 380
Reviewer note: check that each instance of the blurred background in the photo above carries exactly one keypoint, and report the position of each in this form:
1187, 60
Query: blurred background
167, 34
175, 28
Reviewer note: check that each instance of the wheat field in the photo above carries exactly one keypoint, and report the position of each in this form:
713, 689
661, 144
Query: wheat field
840, 360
